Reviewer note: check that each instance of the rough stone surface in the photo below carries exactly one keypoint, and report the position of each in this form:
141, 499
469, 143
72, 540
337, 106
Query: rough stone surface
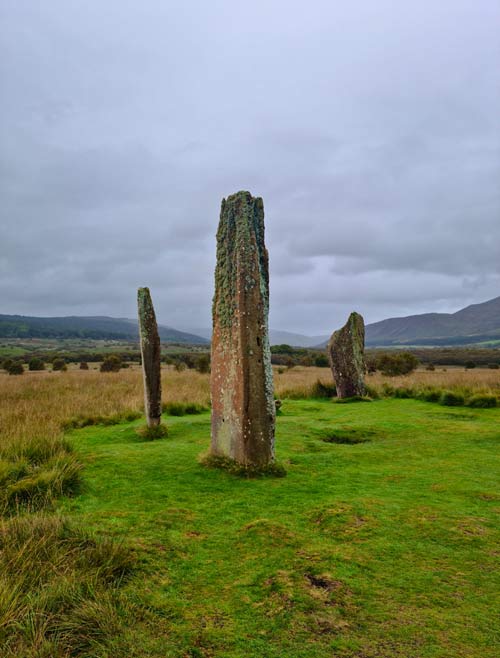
151, 361
243, 411
346, 353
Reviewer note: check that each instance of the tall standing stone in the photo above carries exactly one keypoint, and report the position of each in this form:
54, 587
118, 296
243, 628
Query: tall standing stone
151, 357
346, 353
243, 411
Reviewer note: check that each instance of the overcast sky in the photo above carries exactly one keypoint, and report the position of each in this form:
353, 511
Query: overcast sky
371, 128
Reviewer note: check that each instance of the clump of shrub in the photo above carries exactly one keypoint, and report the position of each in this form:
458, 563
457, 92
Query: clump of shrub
404, 392
59, 365
111, 363
469, 365
274, 469
183, 408
431, 367
397, 364
452, 399
321, 361
482, 401
84, 365
152, 433
493, 366
15, 368
202, 364
429, 394
36, 364
6, 363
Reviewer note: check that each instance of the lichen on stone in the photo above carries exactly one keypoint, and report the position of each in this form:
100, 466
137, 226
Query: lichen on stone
346, 353
243, 411
151, 357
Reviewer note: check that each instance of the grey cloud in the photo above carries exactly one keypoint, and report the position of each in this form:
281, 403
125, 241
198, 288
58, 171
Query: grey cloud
370, 129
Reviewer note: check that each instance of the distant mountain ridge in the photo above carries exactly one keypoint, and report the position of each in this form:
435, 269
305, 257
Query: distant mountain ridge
477, 323
96, 328
474, 324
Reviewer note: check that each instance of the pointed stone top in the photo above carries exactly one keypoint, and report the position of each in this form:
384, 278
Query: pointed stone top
346, 356
243, 409
355, 322
243, 204
355, 317
242, 194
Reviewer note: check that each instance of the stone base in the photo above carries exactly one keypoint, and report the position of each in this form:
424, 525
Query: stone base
273, 469
152, 433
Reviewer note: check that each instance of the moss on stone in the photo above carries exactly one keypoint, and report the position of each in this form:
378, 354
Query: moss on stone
347, 360
272, 469
243, 411
151, 356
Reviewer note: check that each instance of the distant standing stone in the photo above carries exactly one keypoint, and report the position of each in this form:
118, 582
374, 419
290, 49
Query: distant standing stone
243, 410
151, 357
346, 353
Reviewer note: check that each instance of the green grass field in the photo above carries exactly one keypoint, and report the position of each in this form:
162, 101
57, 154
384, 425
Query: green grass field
384, 547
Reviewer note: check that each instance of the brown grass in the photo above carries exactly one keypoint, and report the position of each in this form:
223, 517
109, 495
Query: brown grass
478, 380
39, 403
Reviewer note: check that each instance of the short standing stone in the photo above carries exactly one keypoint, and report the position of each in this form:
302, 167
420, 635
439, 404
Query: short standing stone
151, 357
243, 411
346, 353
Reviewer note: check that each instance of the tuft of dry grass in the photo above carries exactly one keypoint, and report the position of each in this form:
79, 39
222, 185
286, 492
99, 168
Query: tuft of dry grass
58, 588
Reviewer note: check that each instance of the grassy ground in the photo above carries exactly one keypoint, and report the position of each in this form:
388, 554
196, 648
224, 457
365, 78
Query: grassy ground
65, 584
383, 548
40, 403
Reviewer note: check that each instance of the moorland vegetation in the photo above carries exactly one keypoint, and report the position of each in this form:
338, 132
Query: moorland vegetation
112, 545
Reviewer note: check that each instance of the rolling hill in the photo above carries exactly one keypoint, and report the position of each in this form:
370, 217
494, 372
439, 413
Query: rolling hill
474, 324
96, 328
